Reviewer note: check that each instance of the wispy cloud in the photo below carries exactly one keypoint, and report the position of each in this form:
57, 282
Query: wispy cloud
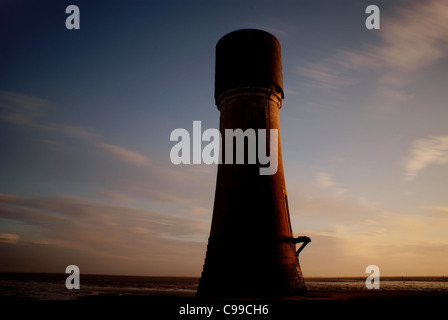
60, 215
415, 37
418, 37
144, 179
31, 112
22, 109
281, 29
172, 186
113, 196
123, 154
395, 242
425, 152
120, 232
325, 180
324, 76
75, 132
9, 237
437, 209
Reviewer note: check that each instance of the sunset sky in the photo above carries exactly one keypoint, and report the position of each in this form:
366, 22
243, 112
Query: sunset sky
86, 117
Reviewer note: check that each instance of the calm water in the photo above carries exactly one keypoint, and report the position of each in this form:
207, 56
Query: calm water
52, 286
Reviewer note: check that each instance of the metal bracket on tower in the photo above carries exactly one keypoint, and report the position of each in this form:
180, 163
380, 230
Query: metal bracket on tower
304, 240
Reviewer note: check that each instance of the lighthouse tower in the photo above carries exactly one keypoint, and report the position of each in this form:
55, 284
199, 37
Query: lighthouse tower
251, 250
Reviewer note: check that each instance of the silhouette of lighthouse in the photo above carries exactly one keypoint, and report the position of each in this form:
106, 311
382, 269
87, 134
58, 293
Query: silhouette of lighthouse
251, 250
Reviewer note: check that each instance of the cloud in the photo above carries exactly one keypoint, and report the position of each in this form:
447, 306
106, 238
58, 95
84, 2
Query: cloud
418, 37
425, 152
323, 76
359, 59
119, 234
114, 196
415, 37
9, 238
22, 109
76, 132
28, 111
348, 233
336, 255
170, 185
64, 213
396, 242
123, 154
437, 209
324, 180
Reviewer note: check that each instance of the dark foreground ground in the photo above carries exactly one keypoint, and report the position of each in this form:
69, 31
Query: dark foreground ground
116, 297
379, 304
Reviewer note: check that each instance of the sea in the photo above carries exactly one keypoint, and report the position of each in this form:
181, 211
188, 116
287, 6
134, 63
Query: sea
43, 286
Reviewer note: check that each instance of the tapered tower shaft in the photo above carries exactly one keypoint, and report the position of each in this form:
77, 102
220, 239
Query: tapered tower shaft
251, 250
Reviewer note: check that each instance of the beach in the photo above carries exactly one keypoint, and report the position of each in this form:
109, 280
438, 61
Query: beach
42, 286
174, 297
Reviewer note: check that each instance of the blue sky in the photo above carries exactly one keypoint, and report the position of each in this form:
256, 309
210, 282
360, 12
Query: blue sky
86, 116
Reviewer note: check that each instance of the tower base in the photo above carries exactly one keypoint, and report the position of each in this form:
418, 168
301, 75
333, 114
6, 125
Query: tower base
251, 271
